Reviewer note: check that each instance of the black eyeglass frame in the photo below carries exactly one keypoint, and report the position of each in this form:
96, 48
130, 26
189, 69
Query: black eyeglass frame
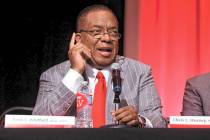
116, 36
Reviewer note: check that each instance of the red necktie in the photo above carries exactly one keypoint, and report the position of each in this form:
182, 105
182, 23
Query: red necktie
99, 101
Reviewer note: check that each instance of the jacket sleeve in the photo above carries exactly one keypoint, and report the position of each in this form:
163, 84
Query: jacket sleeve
54, 98
149, 101
192, 104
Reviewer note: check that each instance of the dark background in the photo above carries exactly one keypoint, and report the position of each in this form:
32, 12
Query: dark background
35, 36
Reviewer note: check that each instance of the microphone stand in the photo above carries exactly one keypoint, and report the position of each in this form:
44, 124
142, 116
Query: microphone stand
116, 79
116, 107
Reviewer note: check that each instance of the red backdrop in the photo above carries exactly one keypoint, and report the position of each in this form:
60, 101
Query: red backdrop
174, 38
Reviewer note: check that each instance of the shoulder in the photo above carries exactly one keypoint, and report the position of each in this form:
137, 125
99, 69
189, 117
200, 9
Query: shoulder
57, 70
199, 81
200, 78
133, 65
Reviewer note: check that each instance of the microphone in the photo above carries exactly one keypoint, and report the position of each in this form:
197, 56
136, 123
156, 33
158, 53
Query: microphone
85, 76
116, 78
116, 83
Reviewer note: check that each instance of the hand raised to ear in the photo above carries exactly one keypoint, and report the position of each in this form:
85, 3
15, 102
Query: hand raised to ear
78, 53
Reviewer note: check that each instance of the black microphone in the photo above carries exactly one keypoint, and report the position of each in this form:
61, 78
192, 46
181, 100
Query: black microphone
85, 76
116, 78
116, 83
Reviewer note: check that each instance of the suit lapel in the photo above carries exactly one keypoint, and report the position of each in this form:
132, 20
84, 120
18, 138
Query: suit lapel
127, 85
109, 102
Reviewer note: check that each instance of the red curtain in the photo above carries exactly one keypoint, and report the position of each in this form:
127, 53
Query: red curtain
174, 38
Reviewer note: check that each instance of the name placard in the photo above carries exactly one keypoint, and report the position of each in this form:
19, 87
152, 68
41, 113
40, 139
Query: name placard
36, 121
189, 122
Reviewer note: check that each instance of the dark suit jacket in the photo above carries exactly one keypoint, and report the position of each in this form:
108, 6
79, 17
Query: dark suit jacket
138, 90
196, 101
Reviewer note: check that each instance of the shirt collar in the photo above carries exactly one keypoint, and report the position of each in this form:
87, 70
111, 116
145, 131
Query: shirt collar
92, 72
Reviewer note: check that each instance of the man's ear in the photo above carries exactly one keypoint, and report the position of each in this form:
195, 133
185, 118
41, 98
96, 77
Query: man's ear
78, 37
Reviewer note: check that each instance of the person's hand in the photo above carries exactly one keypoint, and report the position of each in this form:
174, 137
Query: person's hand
78, 54
126, 115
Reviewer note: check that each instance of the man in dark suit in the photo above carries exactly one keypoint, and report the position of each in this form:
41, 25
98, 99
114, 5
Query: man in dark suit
196, 101
93, 48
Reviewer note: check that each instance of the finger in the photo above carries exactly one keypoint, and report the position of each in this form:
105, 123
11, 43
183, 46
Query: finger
123, 109
78, 47
74, 49
133, 122
128, 118
86, 52
72, 41
82, 49
122, 116
119, 111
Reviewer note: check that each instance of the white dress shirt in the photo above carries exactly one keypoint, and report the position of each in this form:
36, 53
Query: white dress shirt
76, 79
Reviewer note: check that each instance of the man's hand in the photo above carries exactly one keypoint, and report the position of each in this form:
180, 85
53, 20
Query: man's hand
78, 54
126, 115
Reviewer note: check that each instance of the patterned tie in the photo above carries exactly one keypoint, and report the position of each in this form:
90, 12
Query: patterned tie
99, 101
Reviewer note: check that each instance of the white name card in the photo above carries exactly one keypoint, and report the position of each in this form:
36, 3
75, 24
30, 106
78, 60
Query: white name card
36, 121
189, 122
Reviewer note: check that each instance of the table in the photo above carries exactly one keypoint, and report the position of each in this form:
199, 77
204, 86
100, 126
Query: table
104, 134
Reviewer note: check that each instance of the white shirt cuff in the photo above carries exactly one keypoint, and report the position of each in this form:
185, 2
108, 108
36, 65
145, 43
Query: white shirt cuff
148, 123
72, 80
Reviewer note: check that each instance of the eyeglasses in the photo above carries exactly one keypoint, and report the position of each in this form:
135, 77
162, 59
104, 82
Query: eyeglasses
98, 33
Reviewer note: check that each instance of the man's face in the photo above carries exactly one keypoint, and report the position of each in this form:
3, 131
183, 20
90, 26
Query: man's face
105, 48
